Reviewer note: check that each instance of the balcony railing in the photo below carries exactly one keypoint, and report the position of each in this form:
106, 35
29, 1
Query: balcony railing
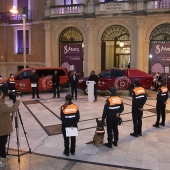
8, 17
64, 10
118, 7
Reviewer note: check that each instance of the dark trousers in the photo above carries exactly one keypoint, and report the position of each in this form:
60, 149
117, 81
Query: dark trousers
74, 90
66, 142
35, 90
56, 88
137, 120
160, 110
95, 92
3, 141
112, 127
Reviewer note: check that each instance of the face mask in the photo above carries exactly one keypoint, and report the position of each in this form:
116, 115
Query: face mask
0, 78
12, 76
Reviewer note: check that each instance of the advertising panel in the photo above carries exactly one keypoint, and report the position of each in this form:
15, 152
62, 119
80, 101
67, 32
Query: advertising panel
72, 58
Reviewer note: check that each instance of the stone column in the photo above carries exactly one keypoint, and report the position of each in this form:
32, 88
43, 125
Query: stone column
139, 47
89, 60
48, 60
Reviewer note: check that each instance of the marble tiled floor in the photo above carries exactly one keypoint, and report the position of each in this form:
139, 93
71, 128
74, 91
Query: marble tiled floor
151, 151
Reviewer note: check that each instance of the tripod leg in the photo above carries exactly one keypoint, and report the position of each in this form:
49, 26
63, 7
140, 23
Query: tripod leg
17, 135
24, 130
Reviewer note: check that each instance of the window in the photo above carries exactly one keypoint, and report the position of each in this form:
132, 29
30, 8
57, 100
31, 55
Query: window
118, 73
105, 74
20, 49
18, 40
24, 75
70, 2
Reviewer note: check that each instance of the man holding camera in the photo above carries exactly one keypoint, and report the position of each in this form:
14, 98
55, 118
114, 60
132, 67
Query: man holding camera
5, 124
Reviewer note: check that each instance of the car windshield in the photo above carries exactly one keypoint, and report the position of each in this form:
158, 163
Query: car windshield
105, 74
118, 73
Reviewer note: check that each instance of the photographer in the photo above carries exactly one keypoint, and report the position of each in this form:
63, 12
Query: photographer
5, 124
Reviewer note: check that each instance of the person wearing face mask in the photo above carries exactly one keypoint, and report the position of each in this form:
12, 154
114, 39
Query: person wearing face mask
11, 85
11, 82
162, 97
73, 83
93, 77
34, 84
56, 84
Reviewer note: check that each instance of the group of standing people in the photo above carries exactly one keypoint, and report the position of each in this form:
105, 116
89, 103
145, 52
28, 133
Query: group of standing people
114, 107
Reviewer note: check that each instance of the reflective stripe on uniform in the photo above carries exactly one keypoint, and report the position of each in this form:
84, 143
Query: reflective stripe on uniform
70, 116
139, 96
117, 107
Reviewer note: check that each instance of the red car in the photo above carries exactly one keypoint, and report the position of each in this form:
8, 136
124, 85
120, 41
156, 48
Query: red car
22, 78
119, 78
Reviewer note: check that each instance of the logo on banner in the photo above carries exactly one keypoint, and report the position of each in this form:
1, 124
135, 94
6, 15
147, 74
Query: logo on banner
160, 48
68, 49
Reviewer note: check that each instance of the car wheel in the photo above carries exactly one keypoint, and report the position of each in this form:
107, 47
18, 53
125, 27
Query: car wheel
85, 90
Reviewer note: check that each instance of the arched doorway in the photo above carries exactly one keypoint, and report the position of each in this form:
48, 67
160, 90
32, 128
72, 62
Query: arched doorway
72, 50
159, 49
115, 47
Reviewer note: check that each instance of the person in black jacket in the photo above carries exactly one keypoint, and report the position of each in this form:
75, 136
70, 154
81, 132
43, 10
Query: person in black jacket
94, 77
70, 117
73, 83
34, 84
138, 100
162, 97
112, 109
56, 84
11, 86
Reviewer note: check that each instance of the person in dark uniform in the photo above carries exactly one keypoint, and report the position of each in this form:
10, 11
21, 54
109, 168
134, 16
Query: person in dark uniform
73, 83
56, 84
94, 77
34, 84
138, 100
70, 117
112, 109
11, 86
162, 97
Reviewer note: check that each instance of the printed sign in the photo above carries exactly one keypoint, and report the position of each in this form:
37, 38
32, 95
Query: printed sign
72, 58
160, 58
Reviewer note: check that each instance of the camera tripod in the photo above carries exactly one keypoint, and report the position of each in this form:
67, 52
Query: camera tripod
16, 115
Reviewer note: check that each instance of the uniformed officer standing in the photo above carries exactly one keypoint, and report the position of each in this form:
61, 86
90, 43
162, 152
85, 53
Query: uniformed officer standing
70, 117
56, 84
162, 97
112, 109
11, 87
11, 83
138, 100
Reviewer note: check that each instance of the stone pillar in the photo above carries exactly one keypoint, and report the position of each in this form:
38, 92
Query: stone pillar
89, 63
139, 45
146, 57
48, 60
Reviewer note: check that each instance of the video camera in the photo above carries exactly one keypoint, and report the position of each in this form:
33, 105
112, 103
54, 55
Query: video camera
13, 94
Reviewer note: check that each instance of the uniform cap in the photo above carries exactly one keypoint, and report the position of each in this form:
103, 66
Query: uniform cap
112, 90
68, 97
